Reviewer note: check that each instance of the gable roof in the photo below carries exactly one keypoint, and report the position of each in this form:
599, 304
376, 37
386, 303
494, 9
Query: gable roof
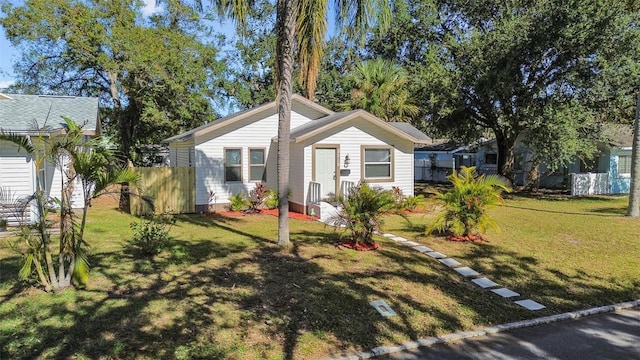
20, 113
403, 130
266, 109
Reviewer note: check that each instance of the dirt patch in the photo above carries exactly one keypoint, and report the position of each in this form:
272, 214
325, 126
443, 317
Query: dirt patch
360, 247
465, 238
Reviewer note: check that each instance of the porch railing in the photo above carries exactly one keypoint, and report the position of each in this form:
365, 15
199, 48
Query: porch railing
346, 187
315, 192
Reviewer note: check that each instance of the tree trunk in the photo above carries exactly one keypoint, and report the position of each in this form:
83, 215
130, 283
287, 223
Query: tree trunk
533, 176
285, 32
505, 156
634, 191
123, 131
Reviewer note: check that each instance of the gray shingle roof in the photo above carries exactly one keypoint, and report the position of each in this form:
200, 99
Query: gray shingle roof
618, 135
411, 130
20, 113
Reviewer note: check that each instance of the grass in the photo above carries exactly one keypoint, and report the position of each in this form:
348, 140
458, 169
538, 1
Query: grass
224, 290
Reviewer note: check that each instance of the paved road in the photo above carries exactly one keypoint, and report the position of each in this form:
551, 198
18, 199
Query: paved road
603, 336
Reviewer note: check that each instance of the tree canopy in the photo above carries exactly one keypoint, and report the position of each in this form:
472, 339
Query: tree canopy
519, 67
152, 75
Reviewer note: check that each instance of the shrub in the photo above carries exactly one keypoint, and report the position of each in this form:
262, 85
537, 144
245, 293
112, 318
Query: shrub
151, 235
413, 203
271, 199
258, 196
239, 202
362, 211
465, 206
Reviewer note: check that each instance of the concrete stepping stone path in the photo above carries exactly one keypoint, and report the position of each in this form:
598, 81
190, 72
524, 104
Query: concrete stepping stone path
530, 304
484, 283
422, 248
436, 255
450, 262
467, 272
410, 243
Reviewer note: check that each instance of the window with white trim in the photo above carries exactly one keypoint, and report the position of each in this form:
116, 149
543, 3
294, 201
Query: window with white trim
233, 165
378, 163
257, 161
624, 164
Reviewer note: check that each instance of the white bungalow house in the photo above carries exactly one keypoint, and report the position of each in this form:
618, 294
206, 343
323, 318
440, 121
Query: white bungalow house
30, 116
328, 153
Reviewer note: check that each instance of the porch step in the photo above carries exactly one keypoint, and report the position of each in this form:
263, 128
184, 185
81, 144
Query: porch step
327, 212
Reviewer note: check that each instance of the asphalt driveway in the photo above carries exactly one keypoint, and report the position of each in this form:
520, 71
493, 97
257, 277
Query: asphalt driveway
613, 335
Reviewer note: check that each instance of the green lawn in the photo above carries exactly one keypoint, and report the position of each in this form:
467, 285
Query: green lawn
224, 290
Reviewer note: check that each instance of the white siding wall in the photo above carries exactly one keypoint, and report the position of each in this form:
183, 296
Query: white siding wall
16, 170
351, 141
209, 156
55, 186
298, 171
17, 174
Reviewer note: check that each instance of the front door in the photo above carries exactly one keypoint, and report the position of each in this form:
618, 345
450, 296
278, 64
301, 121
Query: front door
325, 170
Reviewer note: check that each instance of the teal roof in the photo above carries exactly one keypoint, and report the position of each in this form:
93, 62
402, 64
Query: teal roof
21, 113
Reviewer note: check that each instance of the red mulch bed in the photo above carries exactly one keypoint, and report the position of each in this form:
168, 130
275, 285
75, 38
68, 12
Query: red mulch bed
359, 247
471, 237
272, 212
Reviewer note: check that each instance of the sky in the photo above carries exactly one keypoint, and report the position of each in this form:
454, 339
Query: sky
9, 55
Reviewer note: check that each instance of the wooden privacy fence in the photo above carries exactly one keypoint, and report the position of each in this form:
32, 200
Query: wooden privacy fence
171, 189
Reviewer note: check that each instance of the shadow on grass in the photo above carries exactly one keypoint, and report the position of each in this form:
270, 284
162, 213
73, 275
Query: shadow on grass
559, 291
9, 268
590, 213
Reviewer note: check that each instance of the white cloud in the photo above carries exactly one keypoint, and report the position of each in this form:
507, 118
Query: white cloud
6, 83
150, 8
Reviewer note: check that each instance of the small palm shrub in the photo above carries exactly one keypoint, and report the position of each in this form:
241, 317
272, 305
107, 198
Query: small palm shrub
271, 199
466, 205
239, 202
151, 235
363, 210
413, 203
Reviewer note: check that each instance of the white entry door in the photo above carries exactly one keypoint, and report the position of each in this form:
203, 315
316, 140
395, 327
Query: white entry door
325, 170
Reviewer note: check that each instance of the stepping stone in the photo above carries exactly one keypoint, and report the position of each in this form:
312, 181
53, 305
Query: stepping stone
422, 248
505, 293
484, 283
467, 271
436, 255
530, 304
388, 235
382, 307
410, 243
398, 238
450, 262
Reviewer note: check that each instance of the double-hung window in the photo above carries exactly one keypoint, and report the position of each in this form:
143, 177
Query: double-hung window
624, 164
378, 163
233, 165
257, 160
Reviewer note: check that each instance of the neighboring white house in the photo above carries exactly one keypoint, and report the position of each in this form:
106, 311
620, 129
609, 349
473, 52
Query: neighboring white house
23, 115
327, 151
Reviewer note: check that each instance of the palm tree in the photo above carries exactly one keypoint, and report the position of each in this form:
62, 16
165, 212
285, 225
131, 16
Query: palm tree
466, 205
634, 194
380, 87
96, 168
301, 26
